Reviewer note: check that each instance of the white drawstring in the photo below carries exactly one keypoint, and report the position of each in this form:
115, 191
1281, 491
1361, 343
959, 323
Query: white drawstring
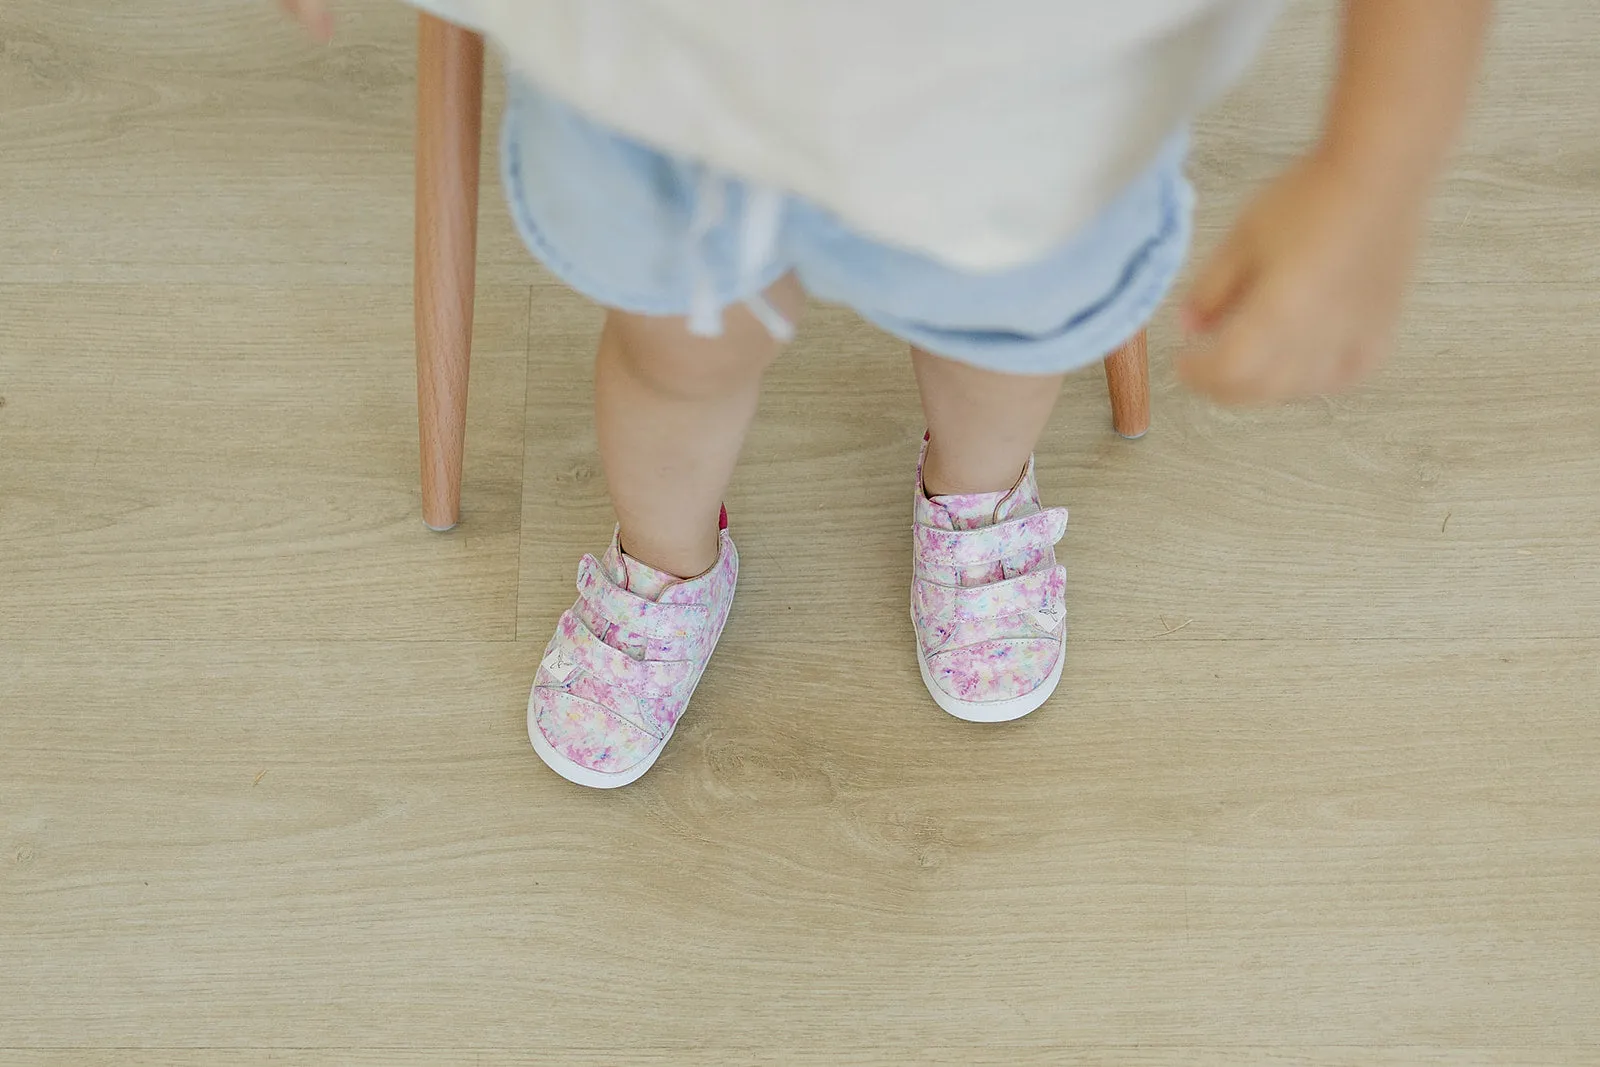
705, 316
758, 244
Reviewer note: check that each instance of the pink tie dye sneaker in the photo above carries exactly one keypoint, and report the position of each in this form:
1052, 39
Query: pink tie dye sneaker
988, 599
623, 663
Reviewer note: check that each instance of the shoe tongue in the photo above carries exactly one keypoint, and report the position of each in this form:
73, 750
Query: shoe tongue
637, 578
971, 511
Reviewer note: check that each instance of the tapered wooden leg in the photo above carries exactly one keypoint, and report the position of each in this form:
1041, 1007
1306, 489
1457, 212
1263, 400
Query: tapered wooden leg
1128, 380
449, 132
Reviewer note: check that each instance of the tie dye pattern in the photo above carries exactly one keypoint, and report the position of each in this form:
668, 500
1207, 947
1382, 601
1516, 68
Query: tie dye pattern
988, 598
619, 672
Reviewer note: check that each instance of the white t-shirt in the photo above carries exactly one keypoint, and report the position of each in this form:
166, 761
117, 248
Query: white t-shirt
979, 132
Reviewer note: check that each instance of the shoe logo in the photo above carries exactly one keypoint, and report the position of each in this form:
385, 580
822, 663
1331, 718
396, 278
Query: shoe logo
560, 664
1047, 619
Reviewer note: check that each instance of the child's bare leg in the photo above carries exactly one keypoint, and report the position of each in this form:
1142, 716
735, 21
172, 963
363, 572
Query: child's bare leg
982, 425
672, 410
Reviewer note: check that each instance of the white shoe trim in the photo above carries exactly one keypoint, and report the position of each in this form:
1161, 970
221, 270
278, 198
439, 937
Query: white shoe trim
988, 710
576, 772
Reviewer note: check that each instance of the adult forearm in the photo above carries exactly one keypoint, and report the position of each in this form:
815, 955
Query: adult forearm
1405, 72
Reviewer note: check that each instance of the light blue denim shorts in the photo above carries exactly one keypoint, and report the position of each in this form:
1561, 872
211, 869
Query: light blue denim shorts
635, 229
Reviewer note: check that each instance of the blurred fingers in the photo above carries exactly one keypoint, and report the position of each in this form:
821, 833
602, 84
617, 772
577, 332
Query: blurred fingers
314, 15
1217, 287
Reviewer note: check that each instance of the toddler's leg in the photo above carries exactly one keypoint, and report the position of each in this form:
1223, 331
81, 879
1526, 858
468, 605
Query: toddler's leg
982, 424
672, 411
988, 600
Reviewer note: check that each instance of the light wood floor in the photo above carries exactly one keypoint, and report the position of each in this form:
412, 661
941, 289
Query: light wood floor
1322, 785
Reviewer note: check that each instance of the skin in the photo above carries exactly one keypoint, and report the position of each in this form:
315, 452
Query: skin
1301, 299
315, 15
982, 426
671, 411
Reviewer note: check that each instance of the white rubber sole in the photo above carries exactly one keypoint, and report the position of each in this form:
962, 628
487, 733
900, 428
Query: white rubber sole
987, 710
577, 773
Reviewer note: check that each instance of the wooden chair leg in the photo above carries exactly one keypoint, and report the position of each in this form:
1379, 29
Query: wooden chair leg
1128, 380
449, 132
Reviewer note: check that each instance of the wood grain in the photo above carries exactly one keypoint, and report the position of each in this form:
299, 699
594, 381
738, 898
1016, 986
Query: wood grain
860, 1056
1128, 383
1319, 787
449, 142
231, 461
1240, 865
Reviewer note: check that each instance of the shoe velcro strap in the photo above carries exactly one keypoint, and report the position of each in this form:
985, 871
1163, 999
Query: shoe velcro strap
1043, 590
642, 677
990, 544
633, 612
